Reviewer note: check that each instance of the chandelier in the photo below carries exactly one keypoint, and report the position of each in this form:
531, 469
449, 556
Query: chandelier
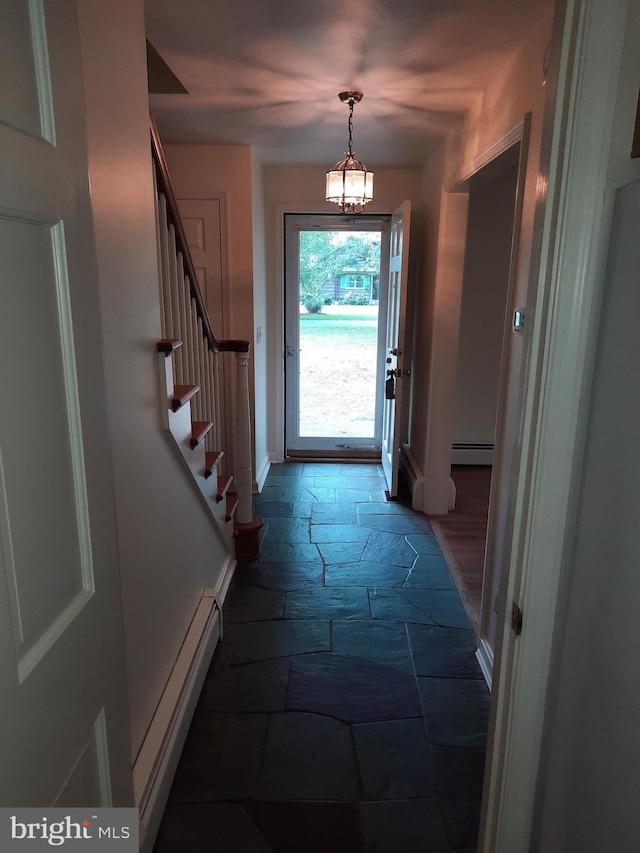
349, 183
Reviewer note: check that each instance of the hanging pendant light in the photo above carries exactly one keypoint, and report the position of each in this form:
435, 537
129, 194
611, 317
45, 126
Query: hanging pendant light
349, 183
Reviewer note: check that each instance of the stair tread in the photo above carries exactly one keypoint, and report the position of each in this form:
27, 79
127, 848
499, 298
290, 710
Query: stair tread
231, 506
168, 345
211, 461
198, 431
224, 481
182, 394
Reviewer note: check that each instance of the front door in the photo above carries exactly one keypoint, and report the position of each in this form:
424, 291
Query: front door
396, 359
335, 294
63, 706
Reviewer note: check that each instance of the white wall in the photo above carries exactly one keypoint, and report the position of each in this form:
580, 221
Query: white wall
300, 189
516, 90
482, 311
168, 548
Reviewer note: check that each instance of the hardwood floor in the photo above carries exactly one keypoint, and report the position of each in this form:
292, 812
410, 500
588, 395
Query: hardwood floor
462, 534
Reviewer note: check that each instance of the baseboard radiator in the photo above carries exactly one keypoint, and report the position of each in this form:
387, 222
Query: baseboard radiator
158, 758
471, 453
413, 475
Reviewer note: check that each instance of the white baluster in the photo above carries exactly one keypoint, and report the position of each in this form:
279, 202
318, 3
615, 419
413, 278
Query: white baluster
212, 377
170, 330
206, 408
196, 327
178, 326
163, 319
243, 472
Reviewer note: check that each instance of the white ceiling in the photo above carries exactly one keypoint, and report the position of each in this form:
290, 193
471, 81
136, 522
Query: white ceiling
267, 72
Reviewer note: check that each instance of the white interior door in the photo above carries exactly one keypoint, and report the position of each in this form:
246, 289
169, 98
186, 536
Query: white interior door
63, 711
395, 356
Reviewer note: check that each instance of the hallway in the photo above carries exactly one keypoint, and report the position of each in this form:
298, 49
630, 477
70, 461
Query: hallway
344, 709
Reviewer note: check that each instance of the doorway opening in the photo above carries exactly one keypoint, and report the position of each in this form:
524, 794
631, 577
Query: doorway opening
336, 275
486, 410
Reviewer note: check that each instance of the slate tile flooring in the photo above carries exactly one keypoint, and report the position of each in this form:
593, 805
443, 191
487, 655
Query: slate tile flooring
344, 709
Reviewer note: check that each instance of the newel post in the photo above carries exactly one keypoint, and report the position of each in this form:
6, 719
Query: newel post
247, 526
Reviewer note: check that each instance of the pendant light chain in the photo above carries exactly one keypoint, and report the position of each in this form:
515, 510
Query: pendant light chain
350, 151
350, 183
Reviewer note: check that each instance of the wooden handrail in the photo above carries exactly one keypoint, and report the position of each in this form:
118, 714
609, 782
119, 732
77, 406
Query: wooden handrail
165, 186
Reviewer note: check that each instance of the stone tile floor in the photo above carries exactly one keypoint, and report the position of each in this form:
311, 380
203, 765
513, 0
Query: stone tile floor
344, 710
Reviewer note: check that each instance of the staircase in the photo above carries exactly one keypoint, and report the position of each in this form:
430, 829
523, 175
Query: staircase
190, 357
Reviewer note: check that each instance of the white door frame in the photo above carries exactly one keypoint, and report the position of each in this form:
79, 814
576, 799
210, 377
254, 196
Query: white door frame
509, 410
276, 352
328, 446
571, 238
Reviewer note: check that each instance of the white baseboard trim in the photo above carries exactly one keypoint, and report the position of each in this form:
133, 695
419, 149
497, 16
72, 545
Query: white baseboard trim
222, 587
261, 474
158, 758
414, 476
484, 655
471, 454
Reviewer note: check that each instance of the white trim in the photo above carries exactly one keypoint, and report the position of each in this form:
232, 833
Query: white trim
453, 494
276, 398
484, 655
294, 225
156, 763
450, 279
573, 248
510, 137
412, 471
471, 454
42, 69
262, 473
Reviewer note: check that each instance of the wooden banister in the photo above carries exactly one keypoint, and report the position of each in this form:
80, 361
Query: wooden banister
194, 372
173, 216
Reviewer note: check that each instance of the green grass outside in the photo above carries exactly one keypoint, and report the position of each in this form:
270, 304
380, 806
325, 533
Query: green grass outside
360, 317
338, 355
359, 327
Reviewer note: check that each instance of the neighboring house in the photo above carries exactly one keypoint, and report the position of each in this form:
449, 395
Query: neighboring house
576, 720
354, 283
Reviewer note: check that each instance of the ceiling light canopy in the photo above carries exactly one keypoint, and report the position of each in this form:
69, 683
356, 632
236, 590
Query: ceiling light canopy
349, 183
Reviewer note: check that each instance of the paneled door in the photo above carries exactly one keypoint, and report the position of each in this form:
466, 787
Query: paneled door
63, 716
396, 359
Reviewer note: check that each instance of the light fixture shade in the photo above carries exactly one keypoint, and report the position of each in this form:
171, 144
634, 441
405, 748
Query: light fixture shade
349, 185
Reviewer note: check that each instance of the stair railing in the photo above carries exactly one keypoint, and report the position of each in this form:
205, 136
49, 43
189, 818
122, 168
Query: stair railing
184, 317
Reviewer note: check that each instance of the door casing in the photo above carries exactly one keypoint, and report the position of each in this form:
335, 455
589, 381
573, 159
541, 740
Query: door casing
327, 446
